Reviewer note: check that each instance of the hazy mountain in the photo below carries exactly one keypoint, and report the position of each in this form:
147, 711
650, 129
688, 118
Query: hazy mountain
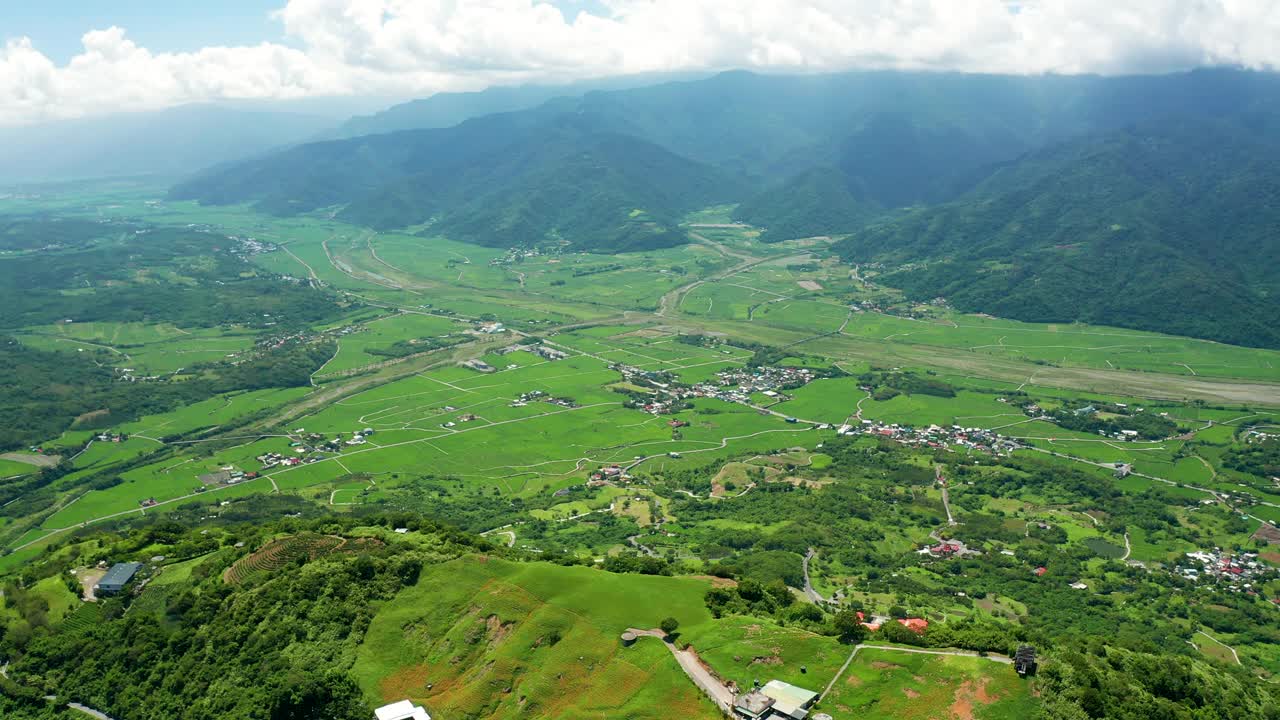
170, 142
448, 109
1166, 226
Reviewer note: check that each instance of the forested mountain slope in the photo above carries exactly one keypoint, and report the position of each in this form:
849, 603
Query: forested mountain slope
810, 204
896, 139
502, 181
1168, 226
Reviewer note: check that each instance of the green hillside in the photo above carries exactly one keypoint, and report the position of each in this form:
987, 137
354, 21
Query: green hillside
1166, 227
816, 202
497, 639
493, 182
600, 192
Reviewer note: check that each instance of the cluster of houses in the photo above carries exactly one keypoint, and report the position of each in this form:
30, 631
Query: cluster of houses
543, 351
1254, 435
948, 549
915, 625
512, 256
736, 385
229, 475
934, 436
478, 365
607, 475
111, 437
540, 396
249, 246
1239, 572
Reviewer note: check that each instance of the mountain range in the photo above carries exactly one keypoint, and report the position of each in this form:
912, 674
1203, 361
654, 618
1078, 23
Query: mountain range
1004, 194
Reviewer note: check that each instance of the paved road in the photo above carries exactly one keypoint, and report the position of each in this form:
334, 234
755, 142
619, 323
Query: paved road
89, 711
635, 542
946, 498
808, 586
697, 672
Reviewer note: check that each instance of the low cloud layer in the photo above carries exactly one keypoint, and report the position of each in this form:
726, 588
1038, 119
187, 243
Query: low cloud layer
345, 47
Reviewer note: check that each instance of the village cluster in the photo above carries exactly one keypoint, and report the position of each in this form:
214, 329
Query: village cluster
1235, 572
934, 436
736, 385
540, 396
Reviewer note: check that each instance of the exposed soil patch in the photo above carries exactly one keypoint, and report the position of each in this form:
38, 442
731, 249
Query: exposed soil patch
882, 665
43, 461
1269, 533
89, 577
910, 693
717, 582
967, 695
89, 417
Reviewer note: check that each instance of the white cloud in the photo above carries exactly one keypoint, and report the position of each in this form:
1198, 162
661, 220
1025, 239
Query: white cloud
340, 47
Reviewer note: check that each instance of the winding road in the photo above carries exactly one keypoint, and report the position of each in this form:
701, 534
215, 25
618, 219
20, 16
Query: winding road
812, 594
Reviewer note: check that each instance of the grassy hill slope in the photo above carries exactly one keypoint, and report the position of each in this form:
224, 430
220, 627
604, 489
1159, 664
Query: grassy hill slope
487, 638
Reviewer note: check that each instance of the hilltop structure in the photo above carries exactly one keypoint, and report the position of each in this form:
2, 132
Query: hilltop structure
403, 710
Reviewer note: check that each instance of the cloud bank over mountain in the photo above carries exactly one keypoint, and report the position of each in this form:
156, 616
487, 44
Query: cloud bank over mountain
347, 47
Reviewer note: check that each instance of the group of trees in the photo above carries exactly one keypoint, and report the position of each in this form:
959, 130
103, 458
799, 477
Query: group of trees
277, 646
43, 392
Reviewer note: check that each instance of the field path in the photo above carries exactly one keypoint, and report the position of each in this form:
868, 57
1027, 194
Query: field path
1219, 642
919, 651
312, 278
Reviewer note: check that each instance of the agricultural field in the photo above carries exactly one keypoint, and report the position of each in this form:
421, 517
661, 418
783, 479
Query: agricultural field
371, 343
147, 349
1073, 345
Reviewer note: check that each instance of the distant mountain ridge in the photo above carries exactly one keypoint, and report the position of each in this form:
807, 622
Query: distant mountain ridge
1170, 226
444, 110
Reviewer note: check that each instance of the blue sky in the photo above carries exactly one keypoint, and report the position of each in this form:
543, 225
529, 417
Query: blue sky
55, 26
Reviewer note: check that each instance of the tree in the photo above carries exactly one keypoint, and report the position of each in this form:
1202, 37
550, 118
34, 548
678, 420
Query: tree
849, 628
669, 626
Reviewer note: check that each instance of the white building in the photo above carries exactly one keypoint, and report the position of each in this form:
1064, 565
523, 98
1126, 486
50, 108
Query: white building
403, 710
